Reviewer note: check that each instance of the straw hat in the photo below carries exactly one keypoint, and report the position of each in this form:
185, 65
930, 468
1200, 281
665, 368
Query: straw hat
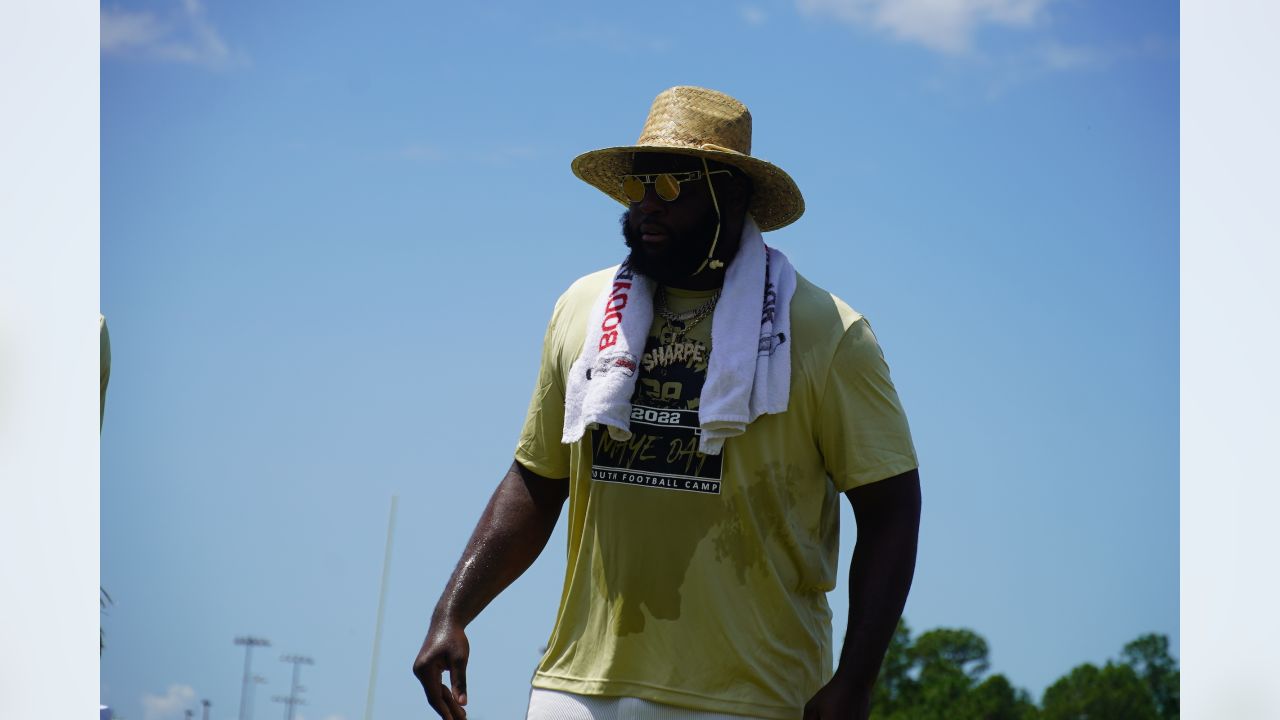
705, 123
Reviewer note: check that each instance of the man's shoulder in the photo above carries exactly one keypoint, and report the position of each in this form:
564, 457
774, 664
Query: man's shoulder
832, 334
589, 285
586, 288
818, 314
568, 319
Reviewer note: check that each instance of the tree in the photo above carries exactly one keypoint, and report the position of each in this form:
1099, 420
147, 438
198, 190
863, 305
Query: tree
950, 663
1149, 657
1114, 692
951, 652
996, 699
940, 677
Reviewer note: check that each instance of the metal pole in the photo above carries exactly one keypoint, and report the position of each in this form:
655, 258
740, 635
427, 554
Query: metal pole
293, 692
293, 699
244, 684
382, 597
249, 642
257, 680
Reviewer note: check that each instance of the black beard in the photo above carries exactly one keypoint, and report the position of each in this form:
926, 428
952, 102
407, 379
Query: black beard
686, 254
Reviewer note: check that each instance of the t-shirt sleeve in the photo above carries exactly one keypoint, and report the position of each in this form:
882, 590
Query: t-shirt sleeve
540, 449
862, 430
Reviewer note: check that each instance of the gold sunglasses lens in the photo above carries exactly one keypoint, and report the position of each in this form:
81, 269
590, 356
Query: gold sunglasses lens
667, 186
633, 188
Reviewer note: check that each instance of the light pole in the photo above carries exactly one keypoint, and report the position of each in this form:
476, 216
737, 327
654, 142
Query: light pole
293, 699
382, 597
257, 680
249, 642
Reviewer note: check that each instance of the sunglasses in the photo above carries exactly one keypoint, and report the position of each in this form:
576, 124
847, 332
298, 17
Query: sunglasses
667, 185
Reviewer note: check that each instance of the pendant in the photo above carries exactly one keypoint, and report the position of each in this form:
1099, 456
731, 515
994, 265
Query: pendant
672, 332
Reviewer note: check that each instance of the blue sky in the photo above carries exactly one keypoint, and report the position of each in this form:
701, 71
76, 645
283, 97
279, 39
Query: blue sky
331, 241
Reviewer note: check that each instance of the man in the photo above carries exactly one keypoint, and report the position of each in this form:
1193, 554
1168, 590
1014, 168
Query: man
701, 406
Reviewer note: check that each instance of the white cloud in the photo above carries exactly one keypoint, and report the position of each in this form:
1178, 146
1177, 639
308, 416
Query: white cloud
170, 705
122, 29
753, 15
1072, 57
1060, 56
185, 36
946, 26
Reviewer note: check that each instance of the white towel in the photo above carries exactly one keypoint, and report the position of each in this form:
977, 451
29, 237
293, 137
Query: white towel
746, 375
603, 377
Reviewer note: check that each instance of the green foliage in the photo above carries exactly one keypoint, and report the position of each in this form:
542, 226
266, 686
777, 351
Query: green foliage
895, 687
951, 652
1087, 693
1149, 657
939, 677
942, 675
996, 699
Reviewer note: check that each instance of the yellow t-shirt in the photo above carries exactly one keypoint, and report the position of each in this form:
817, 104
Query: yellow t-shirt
700, 581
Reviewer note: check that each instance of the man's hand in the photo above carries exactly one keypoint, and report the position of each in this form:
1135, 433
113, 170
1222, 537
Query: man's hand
511, 533
446, 648
839, 700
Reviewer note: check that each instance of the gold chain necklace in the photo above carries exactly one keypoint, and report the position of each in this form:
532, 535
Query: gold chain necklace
683, 322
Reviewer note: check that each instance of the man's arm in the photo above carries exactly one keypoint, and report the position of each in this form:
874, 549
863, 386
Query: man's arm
510, 535
884, 561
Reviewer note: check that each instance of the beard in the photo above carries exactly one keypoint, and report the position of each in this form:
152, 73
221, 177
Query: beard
679, 258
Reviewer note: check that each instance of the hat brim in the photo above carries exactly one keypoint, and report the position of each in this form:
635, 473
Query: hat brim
775, 200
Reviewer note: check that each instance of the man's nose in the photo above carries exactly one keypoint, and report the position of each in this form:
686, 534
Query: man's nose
651, 203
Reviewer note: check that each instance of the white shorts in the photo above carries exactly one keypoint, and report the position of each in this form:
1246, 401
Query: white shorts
556, 705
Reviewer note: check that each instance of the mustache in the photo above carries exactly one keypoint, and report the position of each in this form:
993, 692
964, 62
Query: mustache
632, 218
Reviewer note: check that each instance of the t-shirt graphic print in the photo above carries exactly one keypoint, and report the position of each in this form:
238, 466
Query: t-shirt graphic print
663, 449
